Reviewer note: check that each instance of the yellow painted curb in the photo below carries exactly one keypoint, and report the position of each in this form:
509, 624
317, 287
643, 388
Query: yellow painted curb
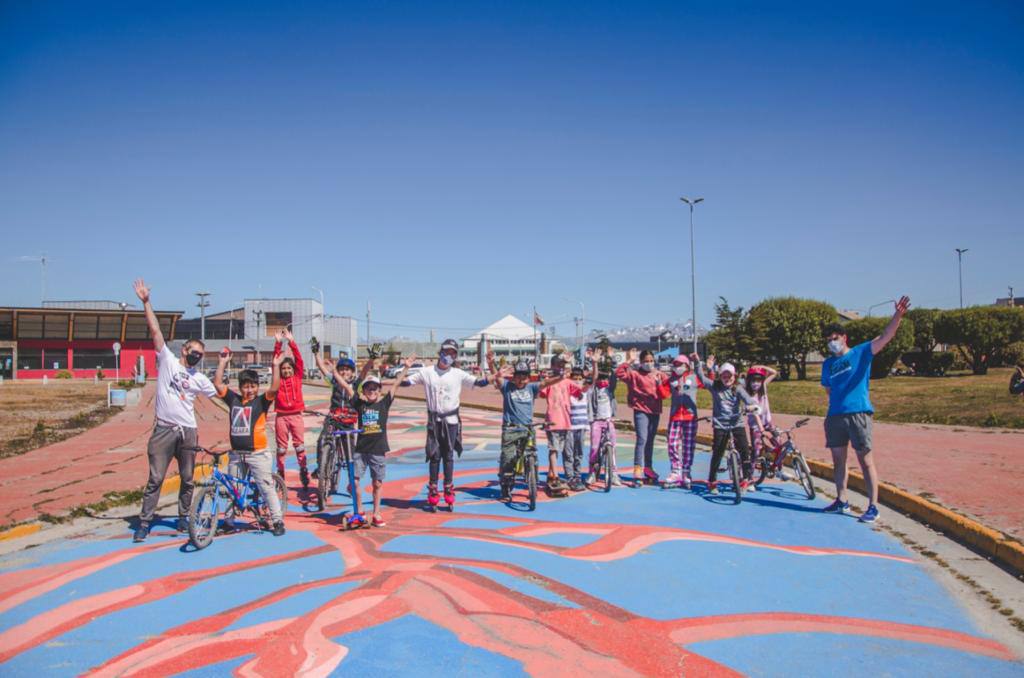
19, 531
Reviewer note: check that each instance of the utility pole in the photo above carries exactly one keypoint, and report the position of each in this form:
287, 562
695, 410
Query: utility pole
960, 265
1011, 295
323, 321
693, 270
259, 319
203, 304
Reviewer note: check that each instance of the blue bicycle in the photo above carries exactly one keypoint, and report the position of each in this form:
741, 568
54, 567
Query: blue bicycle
335, 453
228, 496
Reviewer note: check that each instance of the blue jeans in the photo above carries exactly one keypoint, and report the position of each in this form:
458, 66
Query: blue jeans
646, 428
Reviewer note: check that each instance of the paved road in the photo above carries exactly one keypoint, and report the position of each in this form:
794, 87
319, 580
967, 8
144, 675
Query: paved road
941, 463
645, 581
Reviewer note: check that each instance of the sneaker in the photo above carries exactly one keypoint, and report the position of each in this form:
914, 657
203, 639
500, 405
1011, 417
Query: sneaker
278, 529
616, 480
140, 534
576, 485
869, 516
712, 487
638, 476
686, 482
378, 520
304, 478
674, 478
182, 525
506, 492
838, 507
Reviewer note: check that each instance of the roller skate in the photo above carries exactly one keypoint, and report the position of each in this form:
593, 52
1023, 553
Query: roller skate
555, 486
674, 479
449, 497
638, 476
650, 477
432, 497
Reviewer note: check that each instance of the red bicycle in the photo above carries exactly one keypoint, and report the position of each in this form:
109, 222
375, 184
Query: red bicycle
782, 451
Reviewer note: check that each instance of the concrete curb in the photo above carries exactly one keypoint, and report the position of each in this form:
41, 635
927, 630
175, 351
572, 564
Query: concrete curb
987, 541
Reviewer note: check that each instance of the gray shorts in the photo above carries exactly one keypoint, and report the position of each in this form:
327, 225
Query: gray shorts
853, 429
376, 463
557, 440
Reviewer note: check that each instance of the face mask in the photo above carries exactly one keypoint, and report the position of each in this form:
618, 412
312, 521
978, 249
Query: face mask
646, 367
755, 386
679, 370
193, 358
836, 346
446, 361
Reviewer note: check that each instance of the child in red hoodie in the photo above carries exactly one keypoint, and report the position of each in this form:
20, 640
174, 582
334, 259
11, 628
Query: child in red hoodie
289, 406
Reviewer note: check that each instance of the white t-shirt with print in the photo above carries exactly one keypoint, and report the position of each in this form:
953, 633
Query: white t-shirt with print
442, 388
176, 389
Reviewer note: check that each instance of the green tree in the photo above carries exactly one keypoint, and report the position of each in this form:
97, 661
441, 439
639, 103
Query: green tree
787, 329
866, 329
980, 332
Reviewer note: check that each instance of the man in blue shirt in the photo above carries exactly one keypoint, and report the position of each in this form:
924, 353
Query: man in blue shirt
845, 377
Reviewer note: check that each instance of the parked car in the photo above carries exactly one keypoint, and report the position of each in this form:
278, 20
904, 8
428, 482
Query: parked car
262, 370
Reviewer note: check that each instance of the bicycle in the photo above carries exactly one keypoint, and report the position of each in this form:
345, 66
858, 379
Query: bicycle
605, 459
734, 465
770, 462
330, 462
232, 494
526, 462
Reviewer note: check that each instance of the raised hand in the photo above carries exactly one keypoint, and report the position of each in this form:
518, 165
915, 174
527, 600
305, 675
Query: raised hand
711, 361
141, 291
632, 355
902, 306
408, 362
490, 356
288, 335
225, 355
279, 336
276, 360
694, 358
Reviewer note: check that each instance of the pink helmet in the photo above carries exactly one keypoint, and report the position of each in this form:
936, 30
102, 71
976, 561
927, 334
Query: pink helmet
757, 372
681, 360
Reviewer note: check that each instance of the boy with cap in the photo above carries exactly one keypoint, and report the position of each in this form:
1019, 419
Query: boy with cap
442, 386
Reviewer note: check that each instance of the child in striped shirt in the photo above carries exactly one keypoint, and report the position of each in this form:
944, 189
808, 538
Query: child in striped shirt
572, 455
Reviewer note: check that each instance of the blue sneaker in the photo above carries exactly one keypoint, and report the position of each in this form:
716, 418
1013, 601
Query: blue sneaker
869, 516
837, 507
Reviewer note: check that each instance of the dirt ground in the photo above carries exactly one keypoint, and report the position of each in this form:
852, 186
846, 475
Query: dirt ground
33, 414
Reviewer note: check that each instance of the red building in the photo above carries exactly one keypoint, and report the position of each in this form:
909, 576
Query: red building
38, 342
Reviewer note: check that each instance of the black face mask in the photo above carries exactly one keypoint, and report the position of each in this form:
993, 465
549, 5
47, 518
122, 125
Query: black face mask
192, 358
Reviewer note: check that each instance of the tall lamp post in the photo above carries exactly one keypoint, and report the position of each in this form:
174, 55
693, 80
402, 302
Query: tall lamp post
203, 304
881, 303
692, 202
579, 325
960, 267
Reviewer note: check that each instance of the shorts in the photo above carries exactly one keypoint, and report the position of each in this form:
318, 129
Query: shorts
853, 429
376, 463
557, 440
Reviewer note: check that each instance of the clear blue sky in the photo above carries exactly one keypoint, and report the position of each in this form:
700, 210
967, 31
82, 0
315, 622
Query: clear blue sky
457, 161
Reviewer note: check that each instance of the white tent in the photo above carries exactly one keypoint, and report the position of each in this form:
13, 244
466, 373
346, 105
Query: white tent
509, 327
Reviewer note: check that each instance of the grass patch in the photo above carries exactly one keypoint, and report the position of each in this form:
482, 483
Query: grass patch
110, 500
958, 400
33, 415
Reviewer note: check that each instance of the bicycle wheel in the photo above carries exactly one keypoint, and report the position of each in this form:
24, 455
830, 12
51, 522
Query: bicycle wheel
530, 471
325, 463
341, 458
608, 461
803, 474
762, 465
735, 476
202, 517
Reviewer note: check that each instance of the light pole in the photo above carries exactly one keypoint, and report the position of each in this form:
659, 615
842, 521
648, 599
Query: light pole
259, 319
960, 266
323, 319
881, 303
203, 304
693, 270
579, 325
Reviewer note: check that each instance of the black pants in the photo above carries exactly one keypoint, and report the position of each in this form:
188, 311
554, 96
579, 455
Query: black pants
166, 443
721, 442
442, 440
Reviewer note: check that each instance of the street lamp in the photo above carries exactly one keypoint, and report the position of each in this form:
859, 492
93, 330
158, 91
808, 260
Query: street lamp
203, 304
579, 324
881, 303
692, 202
960, 266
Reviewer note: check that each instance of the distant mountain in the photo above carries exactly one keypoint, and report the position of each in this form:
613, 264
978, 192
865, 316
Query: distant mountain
645, 332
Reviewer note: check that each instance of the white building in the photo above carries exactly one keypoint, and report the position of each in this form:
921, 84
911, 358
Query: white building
509, 338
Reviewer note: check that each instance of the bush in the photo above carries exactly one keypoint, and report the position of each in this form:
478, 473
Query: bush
931, 364
787, 329
866, 329
981, 332
63, 374
1011, 354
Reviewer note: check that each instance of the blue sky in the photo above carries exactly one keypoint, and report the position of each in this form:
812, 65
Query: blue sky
456, 161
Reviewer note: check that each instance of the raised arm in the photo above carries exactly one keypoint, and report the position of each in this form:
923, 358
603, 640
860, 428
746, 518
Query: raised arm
698, 367
142, 292
367, 366
499, 375
275, 378
342, 384
218, 377
879, 342
406, 364
321, 365
771, 373
300, 367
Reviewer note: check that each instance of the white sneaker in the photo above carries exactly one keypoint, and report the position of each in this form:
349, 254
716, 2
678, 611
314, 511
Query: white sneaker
616, 480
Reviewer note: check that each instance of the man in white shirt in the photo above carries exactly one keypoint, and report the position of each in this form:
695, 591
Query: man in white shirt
174, 429
442, 386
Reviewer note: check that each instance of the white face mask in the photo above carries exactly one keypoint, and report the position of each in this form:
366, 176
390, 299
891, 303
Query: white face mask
836, 346
680, 370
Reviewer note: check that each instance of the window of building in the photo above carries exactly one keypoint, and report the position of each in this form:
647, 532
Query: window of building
55, 359
85, 326
6, 326
109, 327
91, 358
55, 326
137, 328
30, 326
30, 358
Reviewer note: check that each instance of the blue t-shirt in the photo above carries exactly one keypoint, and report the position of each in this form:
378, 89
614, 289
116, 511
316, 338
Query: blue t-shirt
847, 378
517, 403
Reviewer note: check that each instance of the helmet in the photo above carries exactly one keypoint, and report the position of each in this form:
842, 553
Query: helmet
681, 360
757, 372
346, 362
522, 367
557, 362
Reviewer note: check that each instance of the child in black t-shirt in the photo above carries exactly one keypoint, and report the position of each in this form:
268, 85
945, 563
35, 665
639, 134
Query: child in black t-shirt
373, 409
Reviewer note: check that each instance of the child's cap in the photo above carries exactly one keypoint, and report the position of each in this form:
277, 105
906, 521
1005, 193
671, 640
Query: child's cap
681, 360
727, 367
370, 379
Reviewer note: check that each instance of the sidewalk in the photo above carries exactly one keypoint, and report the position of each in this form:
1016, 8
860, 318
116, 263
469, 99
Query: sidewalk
80, 470
974, 471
